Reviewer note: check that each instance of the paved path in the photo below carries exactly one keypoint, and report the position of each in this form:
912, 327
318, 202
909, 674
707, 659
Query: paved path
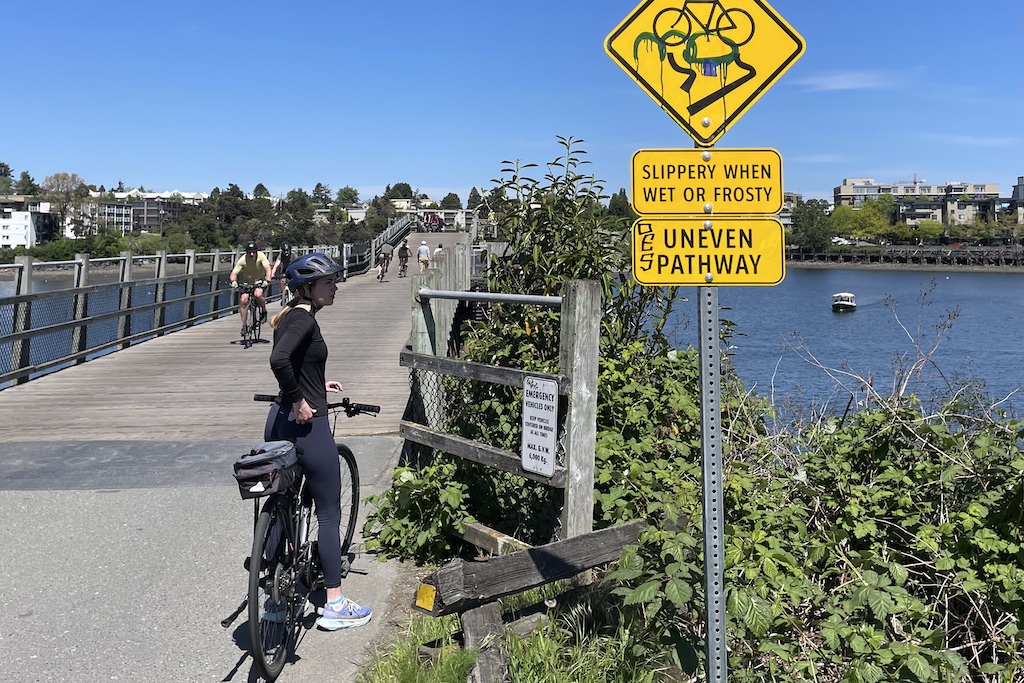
124, 534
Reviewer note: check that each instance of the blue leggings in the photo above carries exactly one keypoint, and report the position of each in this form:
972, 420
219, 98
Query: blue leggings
318, 456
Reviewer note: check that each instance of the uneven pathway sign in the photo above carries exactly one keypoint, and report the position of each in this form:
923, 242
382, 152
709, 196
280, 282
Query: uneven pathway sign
690, 250
704, 61
707, 181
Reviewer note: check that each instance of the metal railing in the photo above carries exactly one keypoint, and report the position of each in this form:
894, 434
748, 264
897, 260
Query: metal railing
44, 331
361, 256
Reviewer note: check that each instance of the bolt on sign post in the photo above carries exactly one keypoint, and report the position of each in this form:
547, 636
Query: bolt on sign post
706, 216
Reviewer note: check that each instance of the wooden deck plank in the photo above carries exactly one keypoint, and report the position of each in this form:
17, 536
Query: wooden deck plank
195, 384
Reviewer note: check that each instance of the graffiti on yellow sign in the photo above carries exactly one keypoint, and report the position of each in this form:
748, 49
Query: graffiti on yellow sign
697, 251
708, 181
704, 61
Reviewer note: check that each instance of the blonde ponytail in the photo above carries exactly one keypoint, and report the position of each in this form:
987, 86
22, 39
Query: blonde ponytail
292, 303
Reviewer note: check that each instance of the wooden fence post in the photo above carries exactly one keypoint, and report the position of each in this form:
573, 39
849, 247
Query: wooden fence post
79, 335
124, 323
425, 340
579, 347
214, 281
190, 285
20, 353
160, 292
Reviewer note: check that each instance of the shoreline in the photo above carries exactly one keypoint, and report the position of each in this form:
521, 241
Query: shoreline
924, 268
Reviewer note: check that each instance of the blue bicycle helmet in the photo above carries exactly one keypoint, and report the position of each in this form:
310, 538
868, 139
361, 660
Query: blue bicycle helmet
309, 268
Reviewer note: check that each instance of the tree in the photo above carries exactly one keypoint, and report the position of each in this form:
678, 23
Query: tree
398, 191
474, 200
929, 230
6, 178
322, 194
65, 192
377, 216
260, 190
451, 202
297, 218
347, 196
26, 184
619, 206
813, 231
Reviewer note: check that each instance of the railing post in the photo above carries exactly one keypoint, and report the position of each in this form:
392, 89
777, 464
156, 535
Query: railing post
124, 323
578, 360
190, 286
346, 251
80, 334
20, 352
160, 292
214, 283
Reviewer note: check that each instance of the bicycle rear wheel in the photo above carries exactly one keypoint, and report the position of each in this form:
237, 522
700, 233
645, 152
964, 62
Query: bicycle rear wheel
273, 601
349, 511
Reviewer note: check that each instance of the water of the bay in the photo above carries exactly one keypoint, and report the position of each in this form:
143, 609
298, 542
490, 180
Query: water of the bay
985, 341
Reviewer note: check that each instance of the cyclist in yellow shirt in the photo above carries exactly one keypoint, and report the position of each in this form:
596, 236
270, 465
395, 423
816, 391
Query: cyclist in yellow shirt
252, 268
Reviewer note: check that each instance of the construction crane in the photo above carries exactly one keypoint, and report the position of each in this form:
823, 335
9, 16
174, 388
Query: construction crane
915, 181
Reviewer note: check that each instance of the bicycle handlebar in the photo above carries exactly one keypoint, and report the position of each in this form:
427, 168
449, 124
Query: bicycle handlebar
350, 409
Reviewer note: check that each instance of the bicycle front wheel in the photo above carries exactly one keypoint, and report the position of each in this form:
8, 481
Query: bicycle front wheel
273, 600
349, 508
249, 328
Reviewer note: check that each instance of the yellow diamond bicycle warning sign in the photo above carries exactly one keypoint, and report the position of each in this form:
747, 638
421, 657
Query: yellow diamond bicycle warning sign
704, 61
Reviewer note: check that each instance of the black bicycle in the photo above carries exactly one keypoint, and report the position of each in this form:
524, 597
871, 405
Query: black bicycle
288, 571
253, 322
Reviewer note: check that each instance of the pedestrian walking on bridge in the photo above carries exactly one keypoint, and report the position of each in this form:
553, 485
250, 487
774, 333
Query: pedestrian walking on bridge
423, 255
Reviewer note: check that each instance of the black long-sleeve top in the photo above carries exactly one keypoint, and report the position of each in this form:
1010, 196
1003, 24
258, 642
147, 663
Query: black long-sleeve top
299, 360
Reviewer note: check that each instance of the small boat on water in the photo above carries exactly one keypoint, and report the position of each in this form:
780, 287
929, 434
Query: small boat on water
844, 301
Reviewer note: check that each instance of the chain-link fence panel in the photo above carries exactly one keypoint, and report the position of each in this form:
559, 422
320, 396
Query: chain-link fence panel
490, 415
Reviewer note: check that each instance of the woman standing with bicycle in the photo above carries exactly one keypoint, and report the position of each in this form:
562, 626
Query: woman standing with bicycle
299, 360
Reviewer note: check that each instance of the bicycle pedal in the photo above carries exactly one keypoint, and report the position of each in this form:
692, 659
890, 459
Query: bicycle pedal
246, 562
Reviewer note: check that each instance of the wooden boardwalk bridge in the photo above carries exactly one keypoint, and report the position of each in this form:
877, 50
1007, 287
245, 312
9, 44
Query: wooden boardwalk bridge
197, 385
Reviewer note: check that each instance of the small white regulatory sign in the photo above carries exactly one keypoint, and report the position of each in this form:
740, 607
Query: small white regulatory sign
540, 425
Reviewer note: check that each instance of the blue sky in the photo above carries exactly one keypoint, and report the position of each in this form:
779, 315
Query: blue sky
192, 95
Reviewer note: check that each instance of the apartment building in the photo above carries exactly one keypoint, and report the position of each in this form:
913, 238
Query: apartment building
23, 221
917, 200
136, 210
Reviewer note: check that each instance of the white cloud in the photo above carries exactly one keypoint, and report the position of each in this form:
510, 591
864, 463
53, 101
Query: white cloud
848, 80
819, 159
970, 140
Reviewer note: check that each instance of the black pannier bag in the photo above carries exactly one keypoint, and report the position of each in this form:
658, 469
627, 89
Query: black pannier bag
269, 468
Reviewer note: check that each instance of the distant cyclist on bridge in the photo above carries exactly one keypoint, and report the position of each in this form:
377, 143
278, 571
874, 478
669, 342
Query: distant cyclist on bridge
252, 268
403, 258
387, 250
280, 266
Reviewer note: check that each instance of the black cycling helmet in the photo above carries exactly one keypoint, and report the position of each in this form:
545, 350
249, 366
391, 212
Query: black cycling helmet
309, 268
286, 247
250, 247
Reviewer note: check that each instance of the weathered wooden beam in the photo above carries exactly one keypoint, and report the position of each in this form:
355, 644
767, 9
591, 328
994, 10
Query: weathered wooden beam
459, 585
491, 540
578, 351
499, 459
476, 371
481, 629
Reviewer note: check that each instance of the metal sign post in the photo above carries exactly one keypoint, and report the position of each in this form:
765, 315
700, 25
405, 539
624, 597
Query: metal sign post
711, 480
